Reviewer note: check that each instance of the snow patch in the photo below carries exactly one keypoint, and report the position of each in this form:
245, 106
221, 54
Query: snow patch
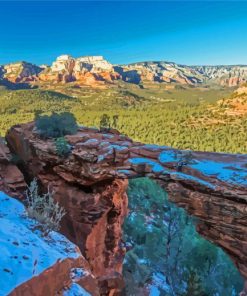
24, 251
226, 172
167, 156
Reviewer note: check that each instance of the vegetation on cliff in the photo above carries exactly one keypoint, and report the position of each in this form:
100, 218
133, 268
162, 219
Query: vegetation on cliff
56, 125
43, 208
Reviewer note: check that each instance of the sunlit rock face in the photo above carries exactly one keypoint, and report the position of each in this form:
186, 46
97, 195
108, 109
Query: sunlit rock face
88, 70
159, 72
95, 70
20, 72
186, 75
63, 62
210, 186
224, 75
92, 63
70, 69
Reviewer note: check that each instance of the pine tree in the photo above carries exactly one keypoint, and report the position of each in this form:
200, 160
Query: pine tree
194, 286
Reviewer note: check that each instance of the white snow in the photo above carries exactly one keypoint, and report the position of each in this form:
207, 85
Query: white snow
158, 282
167, 156
224, 171
24, 251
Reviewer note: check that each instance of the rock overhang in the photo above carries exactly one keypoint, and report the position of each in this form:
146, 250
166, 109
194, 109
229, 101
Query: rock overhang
210, 186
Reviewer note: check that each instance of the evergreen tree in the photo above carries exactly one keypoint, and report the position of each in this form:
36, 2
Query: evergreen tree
194, 286
105, 121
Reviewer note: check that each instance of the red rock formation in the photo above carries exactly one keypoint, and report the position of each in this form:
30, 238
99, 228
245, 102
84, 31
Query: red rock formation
36, 264
94, 70
57, 278
210, 186
21, 72
95, 212
90, 71
149, 76
96, 228
108, 76
11, 179
233, 81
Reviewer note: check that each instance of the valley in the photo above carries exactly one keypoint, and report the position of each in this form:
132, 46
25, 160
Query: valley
196, 118
192, 108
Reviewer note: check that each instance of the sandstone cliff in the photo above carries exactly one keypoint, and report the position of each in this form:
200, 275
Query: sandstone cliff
11, 179
95, 70
236, 105
91, 185
49, 265
95, 213
32, 264
188, 75
210, 186
85, 70
20, 72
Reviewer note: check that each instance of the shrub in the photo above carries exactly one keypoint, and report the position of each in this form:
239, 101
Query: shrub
56, 125
43, 208
105, 121
62, 146
184, 158
115, 121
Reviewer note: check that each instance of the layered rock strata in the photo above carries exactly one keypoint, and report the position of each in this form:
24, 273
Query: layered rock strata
210, 186
95, 71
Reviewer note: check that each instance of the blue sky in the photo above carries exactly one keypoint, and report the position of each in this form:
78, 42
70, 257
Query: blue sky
186, 32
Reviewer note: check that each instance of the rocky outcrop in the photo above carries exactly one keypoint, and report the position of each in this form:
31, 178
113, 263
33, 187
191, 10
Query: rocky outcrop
34, 264
235, 105
95, 71
11, 179
159, 72
92, 69
20, 72
187, 75
90, 184
223, 75
95, 211
89, 70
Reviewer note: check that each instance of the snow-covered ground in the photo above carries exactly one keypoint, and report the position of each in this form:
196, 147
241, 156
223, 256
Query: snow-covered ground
24, 251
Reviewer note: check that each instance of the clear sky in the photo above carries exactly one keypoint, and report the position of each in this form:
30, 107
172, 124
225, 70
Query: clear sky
186, 32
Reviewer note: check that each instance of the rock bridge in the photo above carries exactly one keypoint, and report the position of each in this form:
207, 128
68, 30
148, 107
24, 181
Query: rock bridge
91, 184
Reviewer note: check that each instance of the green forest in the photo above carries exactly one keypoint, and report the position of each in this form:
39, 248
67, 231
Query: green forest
185, 123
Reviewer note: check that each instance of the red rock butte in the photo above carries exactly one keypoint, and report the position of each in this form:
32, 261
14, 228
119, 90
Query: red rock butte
91, 185
95, 70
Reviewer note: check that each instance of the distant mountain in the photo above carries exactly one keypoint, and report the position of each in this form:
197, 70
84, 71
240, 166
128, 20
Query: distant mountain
175, 73
20, 72
94, 70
